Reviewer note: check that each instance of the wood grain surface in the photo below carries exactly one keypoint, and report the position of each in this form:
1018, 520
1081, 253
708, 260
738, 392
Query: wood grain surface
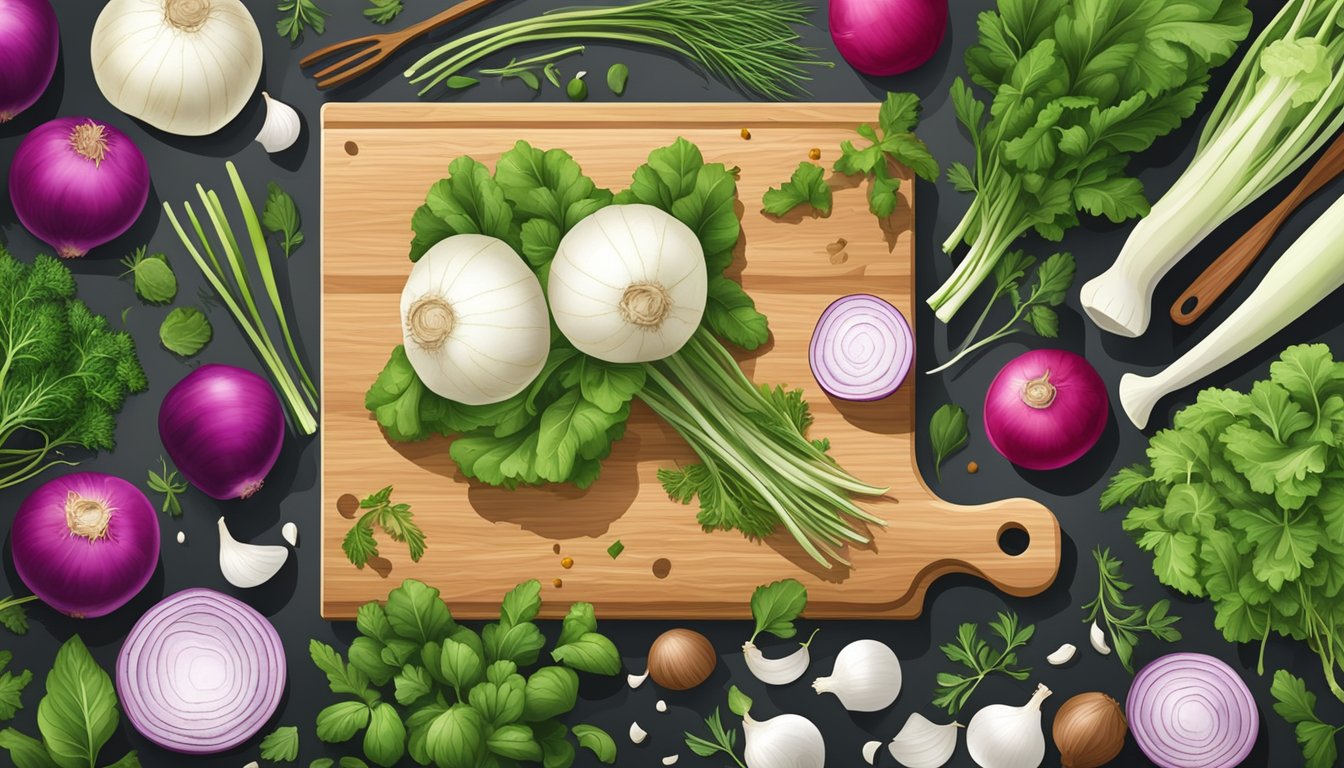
379, 160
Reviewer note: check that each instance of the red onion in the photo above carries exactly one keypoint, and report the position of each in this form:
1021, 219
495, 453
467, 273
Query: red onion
200, 673
888, 37
30, 42
1046, 409
1189, 710
861, 349
78, 183
85, 543
223, 427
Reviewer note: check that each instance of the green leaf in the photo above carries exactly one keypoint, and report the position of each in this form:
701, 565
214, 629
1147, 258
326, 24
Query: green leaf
738, 702
461, 665
416, 613
342, 678
14, 616
515, 742
281, 745
78, 714
732, 314
610, 386
469, 201
385, 739
11, 688
617, 547
899, 113
412, 684
459, 82
340, 722
383, 11
155, 280
300, 15
281, 215
572, 428
580, 620
520, 643
775, 606
499, 703
808, 186
597, 741
551, 692
26, 752
185, 331
948, 433
456, 738
592, 653
1297, 705
521, 604
617, 77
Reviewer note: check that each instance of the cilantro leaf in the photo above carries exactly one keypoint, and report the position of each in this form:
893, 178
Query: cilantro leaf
11, 687
300, 15
281, 217
281, 745
897, 118
383, 11
808, 186
397, 522
1297, 705
972, 652
775, 606
185, 331
947, 432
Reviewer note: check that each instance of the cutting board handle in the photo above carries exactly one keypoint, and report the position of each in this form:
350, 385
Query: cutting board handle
978, 540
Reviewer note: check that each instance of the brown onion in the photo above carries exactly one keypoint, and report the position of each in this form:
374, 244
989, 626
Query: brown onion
1089, 730
681, 659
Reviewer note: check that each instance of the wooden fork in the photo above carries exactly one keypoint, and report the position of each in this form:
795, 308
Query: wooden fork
375, 49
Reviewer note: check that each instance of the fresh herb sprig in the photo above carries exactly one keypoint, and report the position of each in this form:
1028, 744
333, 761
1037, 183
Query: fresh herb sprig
383, 11
892, 140
528, 71
1125, 622
171, 485
185, 331
1033, 310
948, 433
281, 745
154, 279
281, 217
300, 15
722, 740
397, 522
11, 687
806, 186
981, 659
1297, 705
13, 616
775, 607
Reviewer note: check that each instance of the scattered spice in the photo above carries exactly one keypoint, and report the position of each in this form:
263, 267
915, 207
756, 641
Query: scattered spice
972, 467
567, 563
746, 134
616, 549
837, 251
555, 548
814, 153
558, 583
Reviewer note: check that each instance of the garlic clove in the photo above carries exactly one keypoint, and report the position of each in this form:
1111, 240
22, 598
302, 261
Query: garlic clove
780, 671
635, 681
1063, 655
253, 764
1098, 639
290, 532
870, 752
787, 741
248, 565
924, 744
281, 128
661, 706
637, 734
866, 677
181, 537
671, 759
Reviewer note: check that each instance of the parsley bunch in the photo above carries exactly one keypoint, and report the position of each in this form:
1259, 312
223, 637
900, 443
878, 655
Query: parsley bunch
1242, 501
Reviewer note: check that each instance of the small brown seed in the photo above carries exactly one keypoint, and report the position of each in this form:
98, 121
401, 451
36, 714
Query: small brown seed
972, 467
814, 153
746, 134
567, 563
558, 583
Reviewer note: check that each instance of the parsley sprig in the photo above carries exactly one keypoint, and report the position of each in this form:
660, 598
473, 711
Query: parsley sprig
983, 660
1297, 705
171, 485
723, 740
892, 140
1125, 622
395, 520
300, 15
383, 11
281, 217
806, 186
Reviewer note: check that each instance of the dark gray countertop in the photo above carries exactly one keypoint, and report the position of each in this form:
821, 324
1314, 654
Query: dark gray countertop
291, 492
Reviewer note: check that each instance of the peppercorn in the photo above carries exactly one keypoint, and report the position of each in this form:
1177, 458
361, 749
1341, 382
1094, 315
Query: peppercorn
567, 563
815, 153
558, 583
972, 468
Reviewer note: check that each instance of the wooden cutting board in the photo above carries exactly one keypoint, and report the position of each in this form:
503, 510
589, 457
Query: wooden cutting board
378, 162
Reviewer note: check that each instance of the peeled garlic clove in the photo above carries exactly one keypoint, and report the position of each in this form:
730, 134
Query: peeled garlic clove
777, 671
637, 734
787, 741
281, 128
1099, 640
671, 759
924, 744
253, 764
1063, 655
866, 678
181, 537
661, 706
248, 565
636, 680
290, 532
870, 751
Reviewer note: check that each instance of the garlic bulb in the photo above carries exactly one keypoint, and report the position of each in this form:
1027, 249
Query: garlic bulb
628, 284
281, 128
923, 744
474, 320
870, 751
187, 67
248, 565
866, 678
1098, 639
290, 532
780, 671
787, 741
1062, 656
1001, 736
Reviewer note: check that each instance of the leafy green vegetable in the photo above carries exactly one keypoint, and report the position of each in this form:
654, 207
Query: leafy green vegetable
775, 606
63, 374
1032, 310
724, 741
525, 70
384, 11
896, 122
1242, 501
154, 279
171, 485
615, 549
981, 659
1076, 87
1297, 705
460, 699
397, 522
11, 687
617, 77
1123, 621
280, 216
299, 15
458, 82
13, 616
947, 432
185, 331
807, 186
281, 745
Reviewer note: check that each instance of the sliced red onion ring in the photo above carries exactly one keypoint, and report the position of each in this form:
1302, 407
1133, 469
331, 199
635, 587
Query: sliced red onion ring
862, 348
1189, 710
201, 673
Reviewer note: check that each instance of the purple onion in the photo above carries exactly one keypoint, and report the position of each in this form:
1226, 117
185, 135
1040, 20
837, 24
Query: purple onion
1189, 710
30, 43
78, 183
862, 348
223, 427
887, 37
85, 543
1045, 409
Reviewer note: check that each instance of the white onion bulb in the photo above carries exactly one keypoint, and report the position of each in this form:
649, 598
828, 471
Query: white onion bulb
628, 284
187, 67
474, 320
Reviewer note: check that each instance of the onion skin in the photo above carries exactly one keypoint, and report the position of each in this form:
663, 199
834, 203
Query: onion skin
888, 37
1089, 730
223, 427
30, 44
681, 659
77, 201
86, 543
1045, 409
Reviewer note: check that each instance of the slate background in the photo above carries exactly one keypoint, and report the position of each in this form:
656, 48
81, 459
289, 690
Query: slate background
291, 492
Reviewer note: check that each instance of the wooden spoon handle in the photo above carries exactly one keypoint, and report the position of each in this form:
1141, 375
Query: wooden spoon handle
1214, 281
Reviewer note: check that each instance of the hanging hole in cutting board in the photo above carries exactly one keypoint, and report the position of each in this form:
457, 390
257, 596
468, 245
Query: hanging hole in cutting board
1013, 539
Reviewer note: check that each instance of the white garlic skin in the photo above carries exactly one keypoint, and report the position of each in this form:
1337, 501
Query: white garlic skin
787, 741
866, 677
1003, 736
1063, 655
634, 681
248, 565
290, 532
637, 734
924, 744
281, 128
1098, 639
781, 671
870, 751
661, 706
